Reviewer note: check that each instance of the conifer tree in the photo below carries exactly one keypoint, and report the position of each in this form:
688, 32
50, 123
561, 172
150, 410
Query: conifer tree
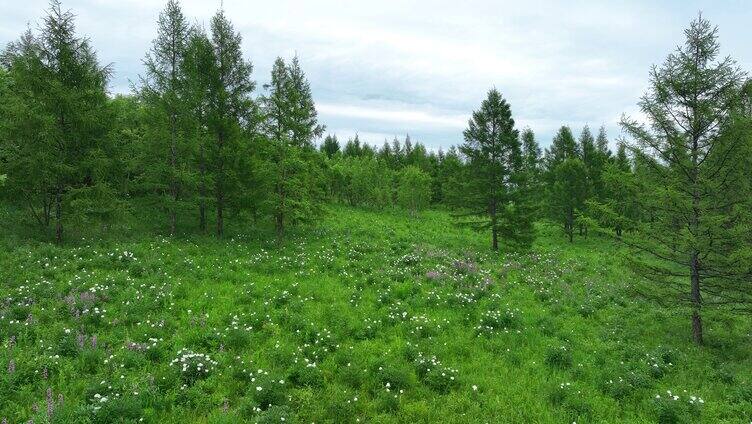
55, 138
566, 180
233, 112
167, 151
292, 125
695, 246
531, 162
330, 147
199, 70
569, 193
353, 148
496, 192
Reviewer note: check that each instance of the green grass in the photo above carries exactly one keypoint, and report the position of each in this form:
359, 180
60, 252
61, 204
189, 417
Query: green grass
370, 317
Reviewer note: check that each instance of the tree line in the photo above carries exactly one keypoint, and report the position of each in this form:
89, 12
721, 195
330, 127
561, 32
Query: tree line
197, 142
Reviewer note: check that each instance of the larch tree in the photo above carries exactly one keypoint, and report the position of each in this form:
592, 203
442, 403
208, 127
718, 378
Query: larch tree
330, 146
199, 70
695, 250
531, 162
168, 171
566, 180
56, 140
232, 113
496, 193
291, 125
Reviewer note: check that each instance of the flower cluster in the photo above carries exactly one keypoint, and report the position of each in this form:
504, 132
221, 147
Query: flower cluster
193, 366
498, 321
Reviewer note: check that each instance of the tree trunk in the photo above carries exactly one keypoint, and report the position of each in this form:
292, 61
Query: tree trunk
58, 216
494, 229
696, 300
220, 212
173, 176
202, 193
202, 214
280, 226
219, 185
280, 216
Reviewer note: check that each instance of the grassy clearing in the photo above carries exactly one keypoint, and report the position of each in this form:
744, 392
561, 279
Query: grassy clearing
372, 317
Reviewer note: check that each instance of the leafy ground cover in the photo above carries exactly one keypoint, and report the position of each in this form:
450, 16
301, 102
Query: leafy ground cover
371, 317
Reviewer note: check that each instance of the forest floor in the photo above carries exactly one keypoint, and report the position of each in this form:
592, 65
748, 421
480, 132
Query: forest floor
370, 317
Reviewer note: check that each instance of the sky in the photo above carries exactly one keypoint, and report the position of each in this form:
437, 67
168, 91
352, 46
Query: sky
389, 68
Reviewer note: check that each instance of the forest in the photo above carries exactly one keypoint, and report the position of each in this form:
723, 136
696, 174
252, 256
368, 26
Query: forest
202, 249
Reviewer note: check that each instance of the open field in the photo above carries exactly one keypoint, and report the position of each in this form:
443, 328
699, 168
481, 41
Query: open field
370, 317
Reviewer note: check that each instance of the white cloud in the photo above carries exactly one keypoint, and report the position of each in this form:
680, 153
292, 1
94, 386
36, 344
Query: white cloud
397, 66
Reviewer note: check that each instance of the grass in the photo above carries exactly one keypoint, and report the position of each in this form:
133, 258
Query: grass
370, 317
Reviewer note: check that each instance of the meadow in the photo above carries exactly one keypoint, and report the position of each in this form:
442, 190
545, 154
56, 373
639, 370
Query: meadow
370, 317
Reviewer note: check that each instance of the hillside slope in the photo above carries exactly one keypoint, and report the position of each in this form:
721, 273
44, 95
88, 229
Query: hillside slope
371, 317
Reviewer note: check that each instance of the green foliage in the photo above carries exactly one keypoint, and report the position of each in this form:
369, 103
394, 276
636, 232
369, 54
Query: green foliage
693, 180
413, 189
290, 125
496, 194
323, 324
568, 193
55, 121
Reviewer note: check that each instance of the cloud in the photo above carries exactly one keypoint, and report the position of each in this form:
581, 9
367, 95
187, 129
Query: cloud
421, 67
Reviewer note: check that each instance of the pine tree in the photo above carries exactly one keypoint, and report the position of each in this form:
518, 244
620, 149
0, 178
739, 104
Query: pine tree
602, 143
696, 244
232, 112
622, 160
496, 192
593, 169
160, 88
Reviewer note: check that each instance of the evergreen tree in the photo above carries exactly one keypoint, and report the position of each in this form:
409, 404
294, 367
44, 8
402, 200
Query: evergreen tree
353, 148
593, 168
566, 180
496, 192
695, 247
452, 179
564, 147
622, 160
398, 152
602, 143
